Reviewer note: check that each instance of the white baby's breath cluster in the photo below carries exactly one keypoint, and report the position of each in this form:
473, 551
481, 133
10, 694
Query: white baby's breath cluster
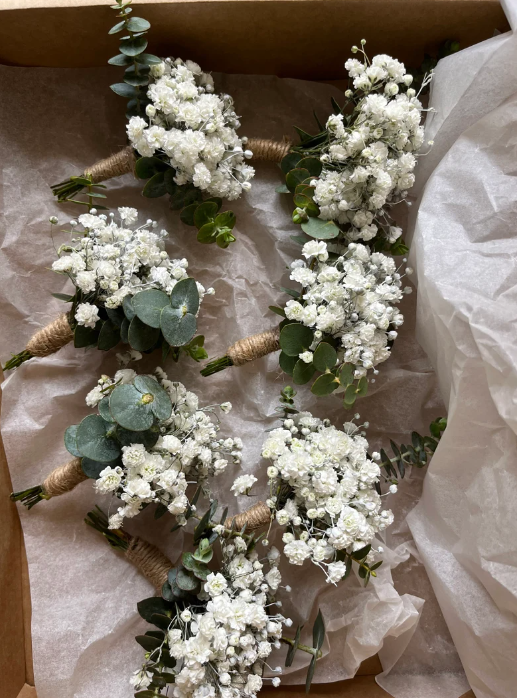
322, 489
352, 298
113, 259
194, 128
221, 646
368, 161
187, 451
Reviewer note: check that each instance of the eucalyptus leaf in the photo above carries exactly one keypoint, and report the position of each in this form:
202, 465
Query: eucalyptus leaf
295, 177
109, 336
362, 387
137, 24
313, 165
161, 406
148, 59
225, 220
132, 47
186, 296
147, 438
324, 357
302, 372
324, 385
177, 328
346, 374
104, 409
127, 306
120, 60
187, 214
207, 233
128, 410
186, 581
350, 395
145, 168
85, 336
287, 363
295, 338
93, 468
205, 213
124, 90
184, 196
115, 315
93, 442
155, 187
70, 440
142, 337
124, 330
289, 162
148, 306
320, 229
148, 607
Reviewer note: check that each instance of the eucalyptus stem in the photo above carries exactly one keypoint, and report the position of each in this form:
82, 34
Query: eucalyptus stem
305, 648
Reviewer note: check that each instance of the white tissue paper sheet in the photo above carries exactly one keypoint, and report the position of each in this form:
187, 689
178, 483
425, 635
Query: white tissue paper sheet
464, 249
54, 123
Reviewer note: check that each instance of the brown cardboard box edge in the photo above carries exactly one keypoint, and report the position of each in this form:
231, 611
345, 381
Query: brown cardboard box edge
305, 39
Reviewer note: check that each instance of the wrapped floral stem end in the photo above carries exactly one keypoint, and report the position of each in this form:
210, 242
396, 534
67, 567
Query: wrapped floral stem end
245, 350
126, 289
44, 342
60, 481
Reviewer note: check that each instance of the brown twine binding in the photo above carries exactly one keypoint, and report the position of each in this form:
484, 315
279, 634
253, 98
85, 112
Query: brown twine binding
51, 338
269, 150
64, 478
151, 562
254, 347
115, 165
255, 517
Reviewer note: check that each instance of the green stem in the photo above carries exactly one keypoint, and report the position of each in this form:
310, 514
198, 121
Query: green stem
217, 365
29, 497
305, 648
17, 360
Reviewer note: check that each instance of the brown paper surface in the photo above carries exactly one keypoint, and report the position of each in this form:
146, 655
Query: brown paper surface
290, 38
84, 595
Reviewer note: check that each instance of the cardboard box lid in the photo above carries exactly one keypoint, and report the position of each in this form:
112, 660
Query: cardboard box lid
291, 38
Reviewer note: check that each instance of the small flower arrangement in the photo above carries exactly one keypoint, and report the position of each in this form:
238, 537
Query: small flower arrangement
346, 179
182, 137
325, 489
215, 626
127, 289
148, 441
342, 323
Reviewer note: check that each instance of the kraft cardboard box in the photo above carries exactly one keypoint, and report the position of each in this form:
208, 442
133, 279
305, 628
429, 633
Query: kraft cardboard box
289, 38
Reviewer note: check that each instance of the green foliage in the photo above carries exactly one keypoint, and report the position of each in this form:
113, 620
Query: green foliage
320, 229
94, 441
295, 338
135, 407
212, 225
133, 58
417, 455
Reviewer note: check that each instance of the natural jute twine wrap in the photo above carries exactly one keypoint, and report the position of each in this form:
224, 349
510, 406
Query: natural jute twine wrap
64, 479
114, 166
255, 517
269, 150
51, 338
151, 562
254, 347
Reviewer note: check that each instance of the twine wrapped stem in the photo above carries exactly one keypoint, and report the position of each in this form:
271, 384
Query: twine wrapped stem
51, 338
269, 150
254, 347
151, 562
255, 517
64, 478
115, 165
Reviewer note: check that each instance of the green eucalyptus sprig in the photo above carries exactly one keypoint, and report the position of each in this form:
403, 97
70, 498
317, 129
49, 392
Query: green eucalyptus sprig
132, 56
